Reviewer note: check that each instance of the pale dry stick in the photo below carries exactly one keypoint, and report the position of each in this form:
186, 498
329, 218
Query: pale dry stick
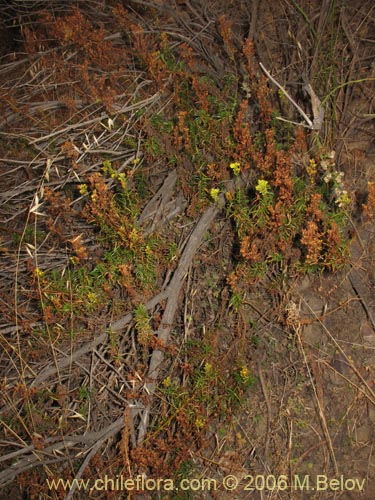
103, 116
36, 457
16, 437
117, 326
111, 152
310, 124
23, 188
21, 163
161, 201
111, 367
39, 106
161, 197
83, 467
68, 128
116, 395
26, 466
32, 460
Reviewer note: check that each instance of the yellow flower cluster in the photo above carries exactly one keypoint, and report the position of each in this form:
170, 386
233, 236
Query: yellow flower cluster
214, 192
38, 273
109, 170
208, 369
262, 187
235, 167
200, 423
343, 199
311, 168
82, 188
167, 382
244, 373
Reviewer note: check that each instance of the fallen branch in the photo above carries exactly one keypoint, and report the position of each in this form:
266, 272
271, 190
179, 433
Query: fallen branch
35, 458
173, 291
117, 326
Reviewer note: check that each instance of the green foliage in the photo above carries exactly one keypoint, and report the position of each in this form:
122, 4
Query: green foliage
236, 301
142, 324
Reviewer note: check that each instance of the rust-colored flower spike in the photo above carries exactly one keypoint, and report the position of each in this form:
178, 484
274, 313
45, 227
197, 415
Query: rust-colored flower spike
187, 54
201, 91
263, 96
248, 51
225, 28
311, 238
250, 249
334, 253
243, 137
313, 208
369, 207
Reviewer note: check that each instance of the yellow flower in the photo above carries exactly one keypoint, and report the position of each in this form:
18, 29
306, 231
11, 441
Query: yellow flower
82, 188
38, 273
167, 382
244, 373
133, 235
107, 167
215, 193
208, 368
122, 179
282, 96
199, 423
236, 167
262, 187
343, 199
311, 168
92, 298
